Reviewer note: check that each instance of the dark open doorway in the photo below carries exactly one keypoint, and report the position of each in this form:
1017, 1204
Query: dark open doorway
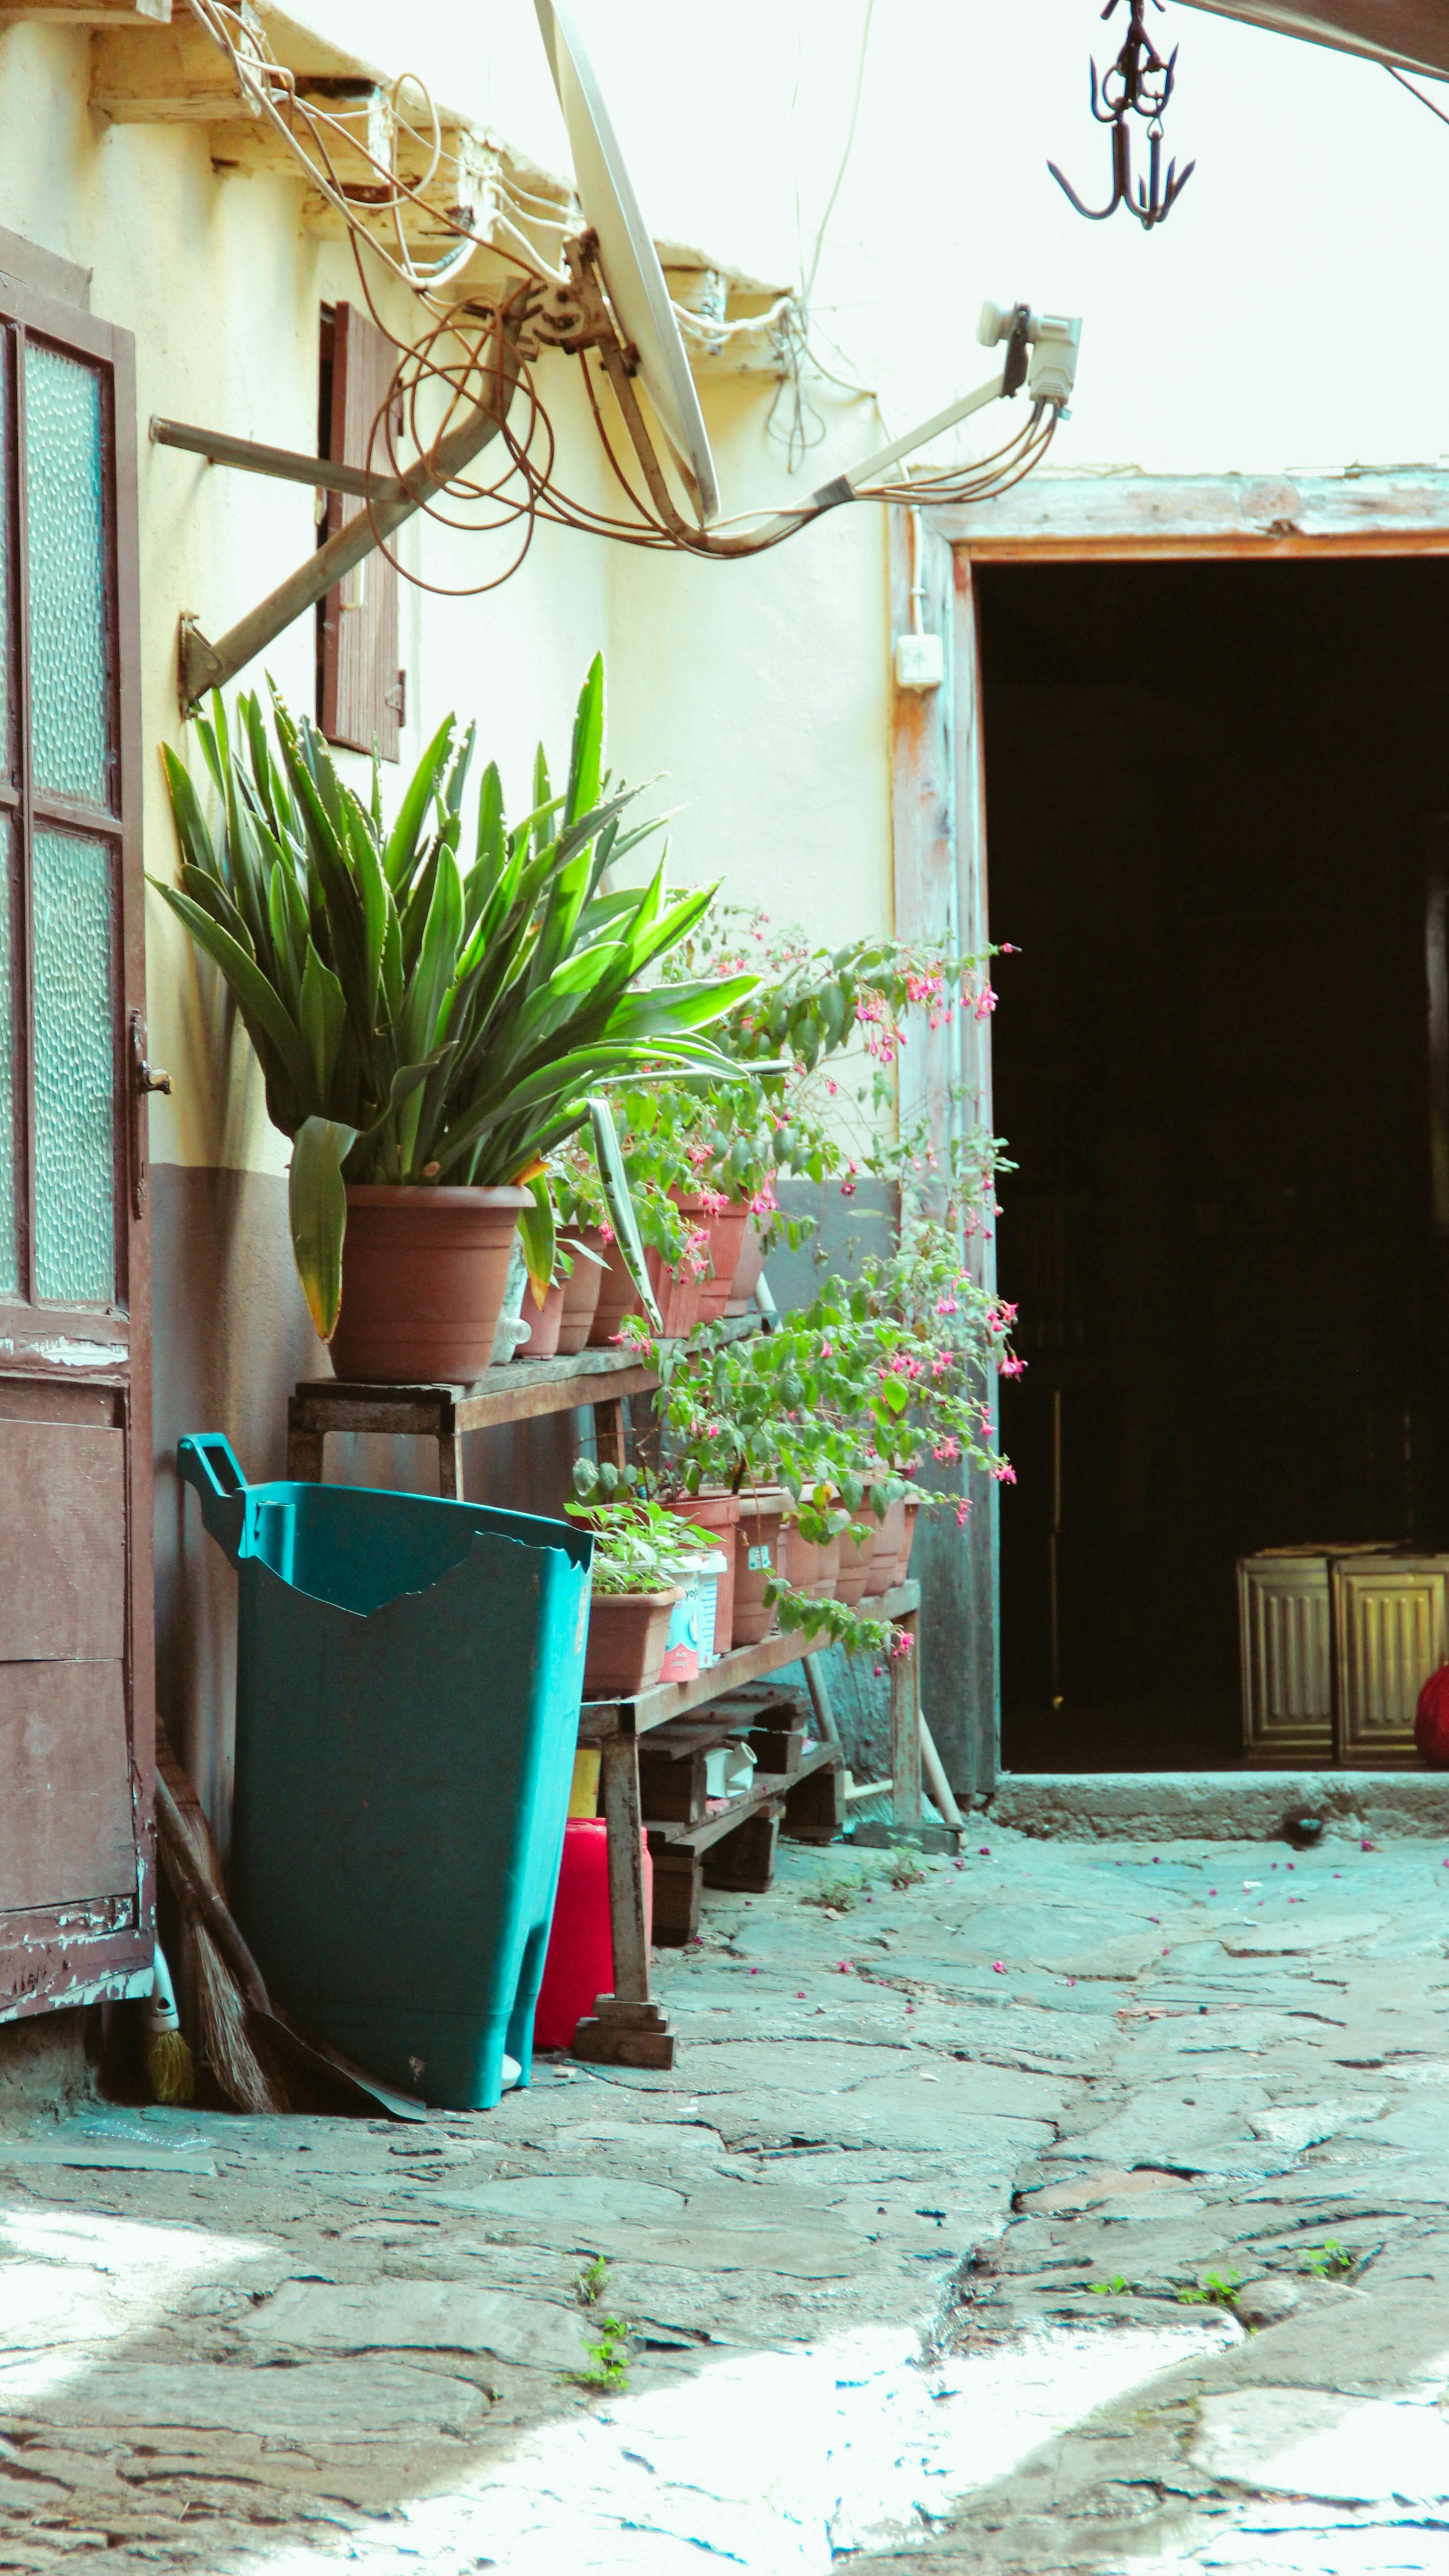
1218, 823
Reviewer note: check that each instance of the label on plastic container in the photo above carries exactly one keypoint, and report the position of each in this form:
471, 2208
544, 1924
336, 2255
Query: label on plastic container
759, 1560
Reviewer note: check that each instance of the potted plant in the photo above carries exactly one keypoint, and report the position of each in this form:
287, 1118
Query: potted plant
432, 1024
640, 1575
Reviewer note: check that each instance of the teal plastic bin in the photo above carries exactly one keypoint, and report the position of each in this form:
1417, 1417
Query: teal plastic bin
408, 1684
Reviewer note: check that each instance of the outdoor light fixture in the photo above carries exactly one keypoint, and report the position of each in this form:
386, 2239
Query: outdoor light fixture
606, 304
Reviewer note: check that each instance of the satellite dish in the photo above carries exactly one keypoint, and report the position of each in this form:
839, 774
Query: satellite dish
627, 256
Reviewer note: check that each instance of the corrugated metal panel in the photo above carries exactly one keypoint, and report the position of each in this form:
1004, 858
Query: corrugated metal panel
1336, 1645
1391, 1629
1286, 1632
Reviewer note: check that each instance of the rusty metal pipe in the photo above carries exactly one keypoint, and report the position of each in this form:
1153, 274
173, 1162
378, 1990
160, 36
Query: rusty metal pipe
204, 665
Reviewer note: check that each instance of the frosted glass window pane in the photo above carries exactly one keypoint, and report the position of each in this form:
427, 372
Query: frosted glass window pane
9, 1160
66, 519
75, 1189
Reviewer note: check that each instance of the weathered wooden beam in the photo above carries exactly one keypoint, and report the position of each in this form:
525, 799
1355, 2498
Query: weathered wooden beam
168, 74
1177, 517
90, 13
204, 665
358, 151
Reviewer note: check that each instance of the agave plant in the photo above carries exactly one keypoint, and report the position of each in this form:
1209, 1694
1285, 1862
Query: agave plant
421, 1016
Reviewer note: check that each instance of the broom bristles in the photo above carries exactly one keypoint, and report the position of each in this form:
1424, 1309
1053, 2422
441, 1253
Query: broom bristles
170, 2068
221, 2006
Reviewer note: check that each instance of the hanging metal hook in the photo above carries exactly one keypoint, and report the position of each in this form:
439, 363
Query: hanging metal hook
1138, 83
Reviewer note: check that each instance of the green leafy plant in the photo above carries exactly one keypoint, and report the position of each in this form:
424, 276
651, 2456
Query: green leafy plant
589, 2287
1117, 2288
422, 1015
638, 1546
608, 2366
1211, 2290
1329, 2261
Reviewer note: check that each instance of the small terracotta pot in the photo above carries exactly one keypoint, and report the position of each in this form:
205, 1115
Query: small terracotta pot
617, 1295
628, 1632
726, 1235
580, 1303
678, 1295
808, 1568
757, 1557
889, 1534
748, 1267
544, 1320
851, 1583
424, 1273
912, 1511
719, 1513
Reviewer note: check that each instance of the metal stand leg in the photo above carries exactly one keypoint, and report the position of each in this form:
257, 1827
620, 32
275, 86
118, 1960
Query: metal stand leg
625, 2028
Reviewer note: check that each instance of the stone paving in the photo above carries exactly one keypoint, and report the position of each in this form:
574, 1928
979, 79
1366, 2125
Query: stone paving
1079, 2207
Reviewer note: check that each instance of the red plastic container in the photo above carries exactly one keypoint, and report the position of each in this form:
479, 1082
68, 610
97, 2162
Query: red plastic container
580, 1963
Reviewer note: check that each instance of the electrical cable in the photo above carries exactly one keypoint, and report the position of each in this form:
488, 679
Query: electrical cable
472, 347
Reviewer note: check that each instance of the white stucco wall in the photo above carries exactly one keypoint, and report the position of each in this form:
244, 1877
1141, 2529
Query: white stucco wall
1282, 319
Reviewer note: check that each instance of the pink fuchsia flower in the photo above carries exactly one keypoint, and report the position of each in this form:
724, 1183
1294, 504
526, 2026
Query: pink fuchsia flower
1005, 1474
902, 1643
963, 1514
713, 1202
606, 1231
998, 1967
948, 1448
1013, 1367
827, 1350
763, 1201
696, 1154
948, 1306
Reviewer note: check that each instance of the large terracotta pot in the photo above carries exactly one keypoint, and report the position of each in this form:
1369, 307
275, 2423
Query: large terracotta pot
808, 1568
757, 1557
748, 1268
544, 1322
580, 1305
628, 1632
719, 1513
423, 1278
852, 1582
726, 1235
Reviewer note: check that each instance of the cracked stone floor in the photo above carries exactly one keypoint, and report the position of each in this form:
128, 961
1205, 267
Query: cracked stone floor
901, 2248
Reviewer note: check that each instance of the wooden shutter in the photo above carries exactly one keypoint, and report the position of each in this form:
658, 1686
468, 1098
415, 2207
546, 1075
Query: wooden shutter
361, 685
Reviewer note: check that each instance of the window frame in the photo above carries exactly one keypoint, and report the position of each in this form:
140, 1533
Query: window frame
27, 315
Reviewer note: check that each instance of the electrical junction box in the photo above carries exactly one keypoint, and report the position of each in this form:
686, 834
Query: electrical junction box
920, 661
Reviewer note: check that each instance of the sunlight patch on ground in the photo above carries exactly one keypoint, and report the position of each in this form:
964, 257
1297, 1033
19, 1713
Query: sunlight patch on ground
70, 2280
1334, 2486
770, 2462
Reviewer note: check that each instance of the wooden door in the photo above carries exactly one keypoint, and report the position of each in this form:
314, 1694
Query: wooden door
939, 823
76, 1686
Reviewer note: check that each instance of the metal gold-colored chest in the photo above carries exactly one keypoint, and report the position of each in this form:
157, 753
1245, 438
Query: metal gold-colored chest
1337, 1644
